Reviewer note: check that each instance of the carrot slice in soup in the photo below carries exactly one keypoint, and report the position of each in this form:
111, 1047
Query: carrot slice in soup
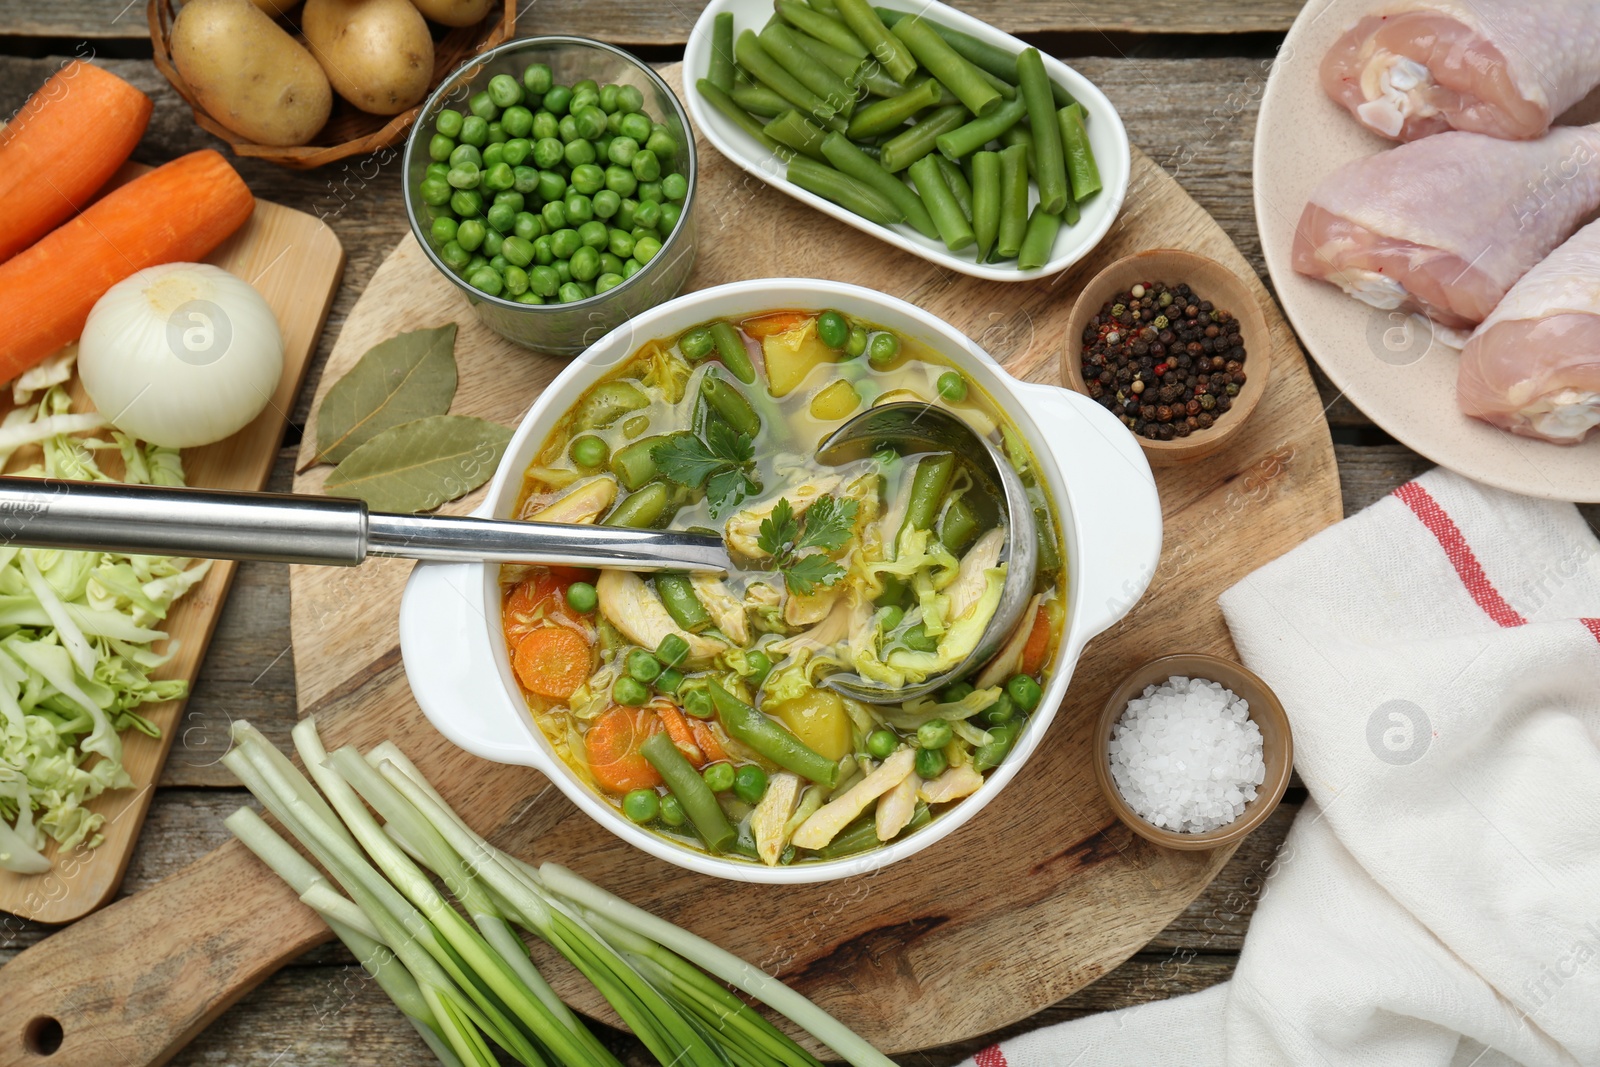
612, 746
552, 661
706, 738
778, 322
1033, 652
678, 729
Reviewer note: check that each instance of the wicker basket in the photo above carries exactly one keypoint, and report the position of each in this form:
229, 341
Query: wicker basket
349, 131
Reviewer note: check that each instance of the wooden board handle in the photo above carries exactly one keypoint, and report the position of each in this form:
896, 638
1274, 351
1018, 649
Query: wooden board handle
132, 984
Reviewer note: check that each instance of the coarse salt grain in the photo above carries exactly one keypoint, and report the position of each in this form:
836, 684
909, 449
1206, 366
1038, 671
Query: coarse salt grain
1186, 756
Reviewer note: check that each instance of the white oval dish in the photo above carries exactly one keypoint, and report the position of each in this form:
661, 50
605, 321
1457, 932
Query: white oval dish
1106, 135
455, 652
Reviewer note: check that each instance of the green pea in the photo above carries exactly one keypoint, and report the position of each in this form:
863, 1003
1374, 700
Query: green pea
935, 733
500, 263
466, 202
857, 343
544, 281
437, 169
504, 90
760, 665
475, 130
587, 178
614, 123
547, 152
587, 451
443, 230
518, 250
622, 150
435, 191
585, 98
544, 125
493, 153
511, 198
881, 744
607, 281
606, 202
645, 249
952, 386
649, 190
629, 98
663, 144
643, 665
579, 207
670, 678
516, 151
527, 225
608, 98
930, 762
579, 152
516, 280
750, 783
609, 264
465, 176
448, 122
672, 650
882, 349
543, 254
497, 134
646, 167
440, 147
470, 234
626, 210
593, 234
648, 214
591, 122
1025, 691
585, 264
477, 260
670, 214
719, 777
525, 180
674, 186
569, 129
554, 214
487, 279
483, 106
628, 690
620, 180
636, 126
498, 177
529, 298
517, 121
630, 267
552, 186
621, 244
1001, 711
832, 330
564, 242
464, 154
697, 702
571, 293
641, 805
455, 257
536, 78
955, 693
501, 217
672, 810
563, 271
492, 243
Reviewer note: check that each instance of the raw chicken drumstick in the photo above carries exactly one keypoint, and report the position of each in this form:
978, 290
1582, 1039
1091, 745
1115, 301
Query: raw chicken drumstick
1533, 367
1506, 68
1446, 225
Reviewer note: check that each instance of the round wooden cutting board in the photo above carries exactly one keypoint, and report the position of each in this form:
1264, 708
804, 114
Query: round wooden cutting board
1040, 894
1045, 890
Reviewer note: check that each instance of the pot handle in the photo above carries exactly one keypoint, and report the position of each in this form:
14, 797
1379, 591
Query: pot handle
1118, 520
453, 676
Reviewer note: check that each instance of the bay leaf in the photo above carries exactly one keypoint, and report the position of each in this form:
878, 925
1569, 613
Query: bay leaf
421, 464
409, 376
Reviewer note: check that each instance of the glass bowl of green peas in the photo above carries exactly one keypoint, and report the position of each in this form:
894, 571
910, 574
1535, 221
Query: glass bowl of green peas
552, 180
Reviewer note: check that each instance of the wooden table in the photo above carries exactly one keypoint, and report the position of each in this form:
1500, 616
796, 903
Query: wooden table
1188, 94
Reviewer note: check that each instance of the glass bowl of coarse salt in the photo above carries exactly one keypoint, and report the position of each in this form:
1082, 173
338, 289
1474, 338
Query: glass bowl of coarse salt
1194, 751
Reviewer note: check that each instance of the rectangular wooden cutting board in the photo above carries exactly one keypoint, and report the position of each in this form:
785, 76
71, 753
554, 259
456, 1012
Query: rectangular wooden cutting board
295, 262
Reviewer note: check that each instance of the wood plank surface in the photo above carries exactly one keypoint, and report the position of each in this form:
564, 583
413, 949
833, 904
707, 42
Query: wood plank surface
628, 22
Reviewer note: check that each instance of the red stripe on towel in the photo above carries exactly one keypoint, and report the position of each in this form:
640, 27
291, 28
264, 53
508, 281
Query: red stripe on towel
1448, 534
990, 1057
1593, 625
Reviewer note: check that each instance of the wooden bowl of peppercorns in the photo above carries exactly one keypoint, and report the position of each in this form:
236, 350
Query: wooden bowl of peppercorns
1175, 345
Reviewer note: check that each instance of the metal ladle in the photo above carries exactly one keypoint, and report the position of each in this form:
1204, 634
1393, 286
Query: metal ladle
910, 428
325, 530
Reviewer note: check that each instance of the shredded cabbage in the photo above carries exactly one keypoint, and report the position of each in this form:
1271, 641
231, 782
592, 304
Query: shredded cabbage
76, 630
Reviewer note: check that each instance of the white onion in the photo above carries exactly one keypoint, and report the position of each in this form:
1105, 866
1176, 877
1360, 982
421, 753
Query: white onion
181, 354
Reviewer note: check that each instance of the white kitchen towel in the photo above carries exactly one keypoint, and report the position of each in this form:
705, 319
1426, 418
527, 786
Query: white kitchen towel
1437, 901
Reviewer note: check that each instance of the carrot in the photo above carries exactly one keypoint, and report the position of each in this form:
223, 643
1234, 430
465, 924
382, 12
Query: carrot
552, 661
1033, 652
764, 326
65, 143
612, 746
678, 729
706, 739
175, 214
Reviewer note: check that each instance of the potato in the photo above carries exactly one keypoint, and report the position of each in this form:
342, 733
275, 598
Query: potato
451, 12
817, 718
249, 74
377, 53
276, 7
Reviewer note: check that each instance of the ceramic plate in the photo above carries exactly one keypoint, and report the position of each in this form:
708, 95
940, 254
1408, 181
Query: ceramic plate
1107, 137
1389, 364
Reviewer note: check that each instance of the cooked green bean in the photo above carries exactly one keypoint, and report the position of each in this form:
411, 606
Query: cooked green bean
1049, 555
731, 404
679, 598
958, 526
843, 190
635, 464
917, 141
720, 73
837, 60
779, 42
691, 790
771, 740
881, 116
755, 59
1001, 86
642, 509
945, 63
732, 352
1071, 215
1052, 165
827, 7
1081, 169
997, 62
1021, 135
875, 81
985, 201
863, 834
884, 46
798, 132
821, 26
759, 100
954, 229
962, 141
1039, 240
855, 163
956, 178
740, 117
928, 486
1013, 202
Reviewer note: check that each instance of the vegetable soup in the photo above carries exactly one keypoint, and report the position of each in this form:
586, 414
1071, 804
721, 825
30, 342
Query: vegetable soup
694, 703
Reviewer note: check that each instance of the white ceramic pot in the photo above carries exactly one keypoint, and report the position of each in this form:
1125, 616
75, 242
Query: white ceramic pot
455, 652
